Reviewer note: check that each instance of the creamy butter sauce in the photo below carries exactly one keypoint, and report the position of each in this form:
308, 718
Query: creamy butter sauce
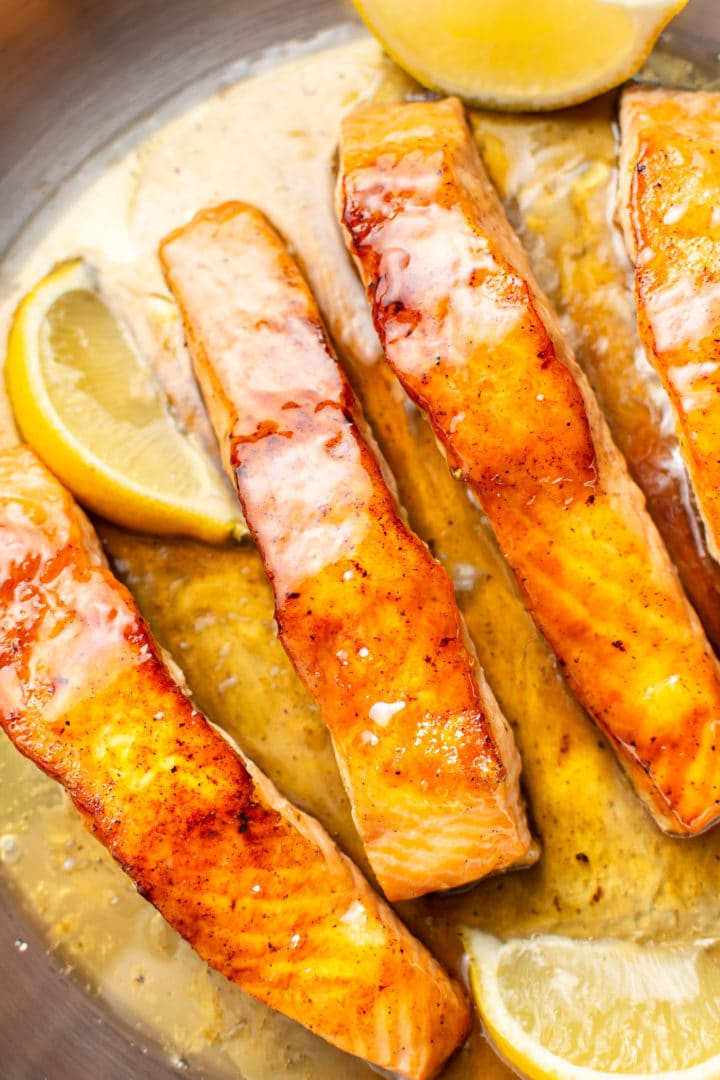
605, 869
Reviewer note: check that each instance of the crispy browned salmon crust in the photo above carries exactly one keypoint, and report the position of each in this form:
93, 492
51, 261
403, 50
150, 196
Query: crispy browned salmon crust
475, 343
258, 888
366, 614
670, 208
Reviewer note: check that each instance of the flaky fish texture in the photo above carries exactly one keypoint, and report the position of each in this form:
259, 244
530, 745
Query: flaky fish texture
258, 888
474, 342
366, 614
670, 211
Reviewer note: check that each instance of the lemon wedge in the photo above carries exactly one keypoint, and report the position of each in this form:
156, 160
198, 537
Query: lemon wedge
519, 54
88, 405
561, 1009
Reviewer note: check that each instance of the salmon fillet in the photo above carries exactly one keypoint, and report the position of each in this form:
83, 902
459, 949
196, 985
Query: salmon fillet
257, 887
367, 616
556, 180
670, 211
475, 343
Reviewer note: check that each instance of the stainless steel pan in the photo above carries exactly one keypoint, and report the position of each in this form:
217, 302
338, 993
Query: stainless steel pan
73, 75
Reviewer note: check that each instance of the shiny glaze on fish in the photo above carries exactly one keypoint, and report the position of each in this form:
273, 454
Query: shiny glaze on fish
258, 888
557, 177
670, 207
475, 343
367, 616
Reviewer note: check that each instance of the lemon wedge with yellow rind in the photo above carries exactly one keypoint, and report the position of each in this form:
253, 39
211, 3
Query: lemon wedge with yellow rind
561, 1009
88, 405
519, 54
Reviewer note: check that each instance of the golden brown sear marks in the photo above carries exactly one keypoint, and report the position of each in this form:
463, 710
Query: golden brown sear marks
257, 888
474, 342
557, 178
670, 206
367, 616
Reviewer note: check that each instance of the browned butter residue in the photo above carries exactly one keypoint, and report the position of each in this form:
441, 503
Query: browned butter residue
605, 869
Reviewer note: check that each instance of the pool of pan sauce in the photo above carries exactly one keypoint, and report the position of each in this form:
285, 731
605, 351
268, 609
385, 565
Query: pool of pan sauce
606, 869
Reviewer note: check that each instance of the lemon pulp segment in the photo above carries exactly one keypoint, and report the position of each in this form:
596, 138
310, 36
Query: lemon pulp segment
519, 54
570, 1009
89, 406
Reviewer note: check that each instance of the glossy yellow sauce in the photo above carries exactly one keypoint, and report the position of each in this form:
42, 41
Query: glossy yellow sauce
605, 869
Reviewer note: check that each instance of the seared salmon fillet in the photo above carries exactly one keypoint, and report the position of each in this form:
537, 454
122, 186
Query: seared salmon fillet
366, 614
257, 887
670, 210
475, 343
556, 181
